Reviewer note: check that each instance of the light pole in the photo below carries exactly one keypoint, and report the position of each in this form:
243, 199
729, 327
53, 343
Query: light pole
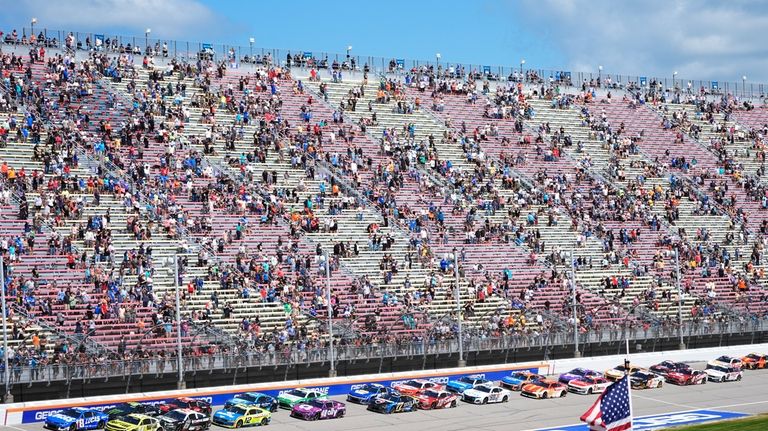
437, 56
32, 24
329, 310
674, 74
181, 384
600, 73
744, 86
251, 41
462, 362
522, 63
349, 48
8, 394
146, 37
679, 300
576, 352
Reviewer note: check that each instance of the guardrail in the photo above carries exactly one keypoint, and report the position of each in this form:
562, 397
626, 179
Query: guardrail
345, 60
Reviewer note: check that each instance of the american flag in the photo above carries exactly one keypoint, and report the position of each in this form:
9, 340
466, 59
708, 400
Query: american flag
611, 411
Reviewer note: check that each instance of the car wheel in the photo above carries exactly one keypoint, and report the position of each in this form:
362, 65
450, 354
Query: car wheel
433, 406
273, 409
563, 394
73, 427
661, 384
454, 404
316, 417
505, 399
589, 391
738, 378
340, 414
722, 379
544, 396
485, 400
100, 425
264, 422
238, 424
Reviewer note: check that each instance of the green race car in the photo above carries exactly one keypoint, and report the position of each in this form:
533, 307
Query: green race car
133, 422
288, 399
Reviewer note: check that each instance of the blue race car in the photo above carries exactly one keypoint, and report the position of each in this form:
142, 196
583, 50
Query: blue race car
393, 403
516, 380
464, 383
367, 393
76, 419
257, 399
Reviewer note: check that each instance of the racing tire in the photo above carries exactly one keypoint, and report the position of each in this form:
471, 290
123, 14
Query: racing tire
339, 414
238, 424
454, 404
485, 400
563, 394
660, 385
589, 391
273, 409
544, 396
314, 417
101, 425
433, 406
73, 427
505, 399
704, 381
722, 379
738, 378
264, 422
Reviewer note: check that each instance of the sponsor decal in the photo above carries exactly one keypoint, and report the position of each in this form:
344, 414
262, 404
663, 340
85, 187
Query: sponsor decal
657, 422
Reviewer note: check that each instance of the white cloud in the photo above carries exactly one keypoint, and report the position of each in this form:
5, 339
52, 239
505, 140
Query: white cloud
700, 39
166, 18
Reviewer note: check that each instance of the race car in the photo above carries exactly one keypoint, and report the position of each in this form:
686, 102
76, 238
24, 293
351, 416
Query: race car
393, 403
577, 373
588, 385
755, 361
416, 386
619, 371
184, 419
645, 380
437, 399
460, 385
319, 409
665, 367
240, 415
124, 409
253, 399
486, 393
717, 373
726, 361
686, 377
133, 422
518, 379
76, 419
288, 399
367, 392
544, 389
201, 406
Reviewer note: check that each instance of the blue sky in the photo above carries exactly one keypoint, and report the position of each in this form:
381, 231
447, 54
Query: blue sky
703, 39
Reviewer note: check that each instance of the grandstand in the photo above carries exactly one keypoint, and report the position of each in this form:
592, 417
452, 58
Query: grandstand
283, 209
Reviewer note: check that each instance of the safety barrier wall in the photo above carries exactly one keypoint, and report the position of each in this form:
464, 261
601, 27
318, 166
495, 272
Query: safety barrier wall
37, 411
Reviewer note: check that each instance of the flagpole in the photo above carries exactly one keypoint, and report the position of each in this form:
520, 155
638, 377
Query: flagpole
627, 364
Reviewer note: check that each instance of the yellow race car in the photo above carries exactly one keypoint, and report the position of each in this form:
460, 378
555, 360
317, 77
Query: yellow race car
241, 415
619, 371
133, 422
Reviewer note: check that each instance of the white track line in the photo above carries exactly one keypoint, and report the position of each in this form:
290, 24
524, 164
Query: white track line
685, 406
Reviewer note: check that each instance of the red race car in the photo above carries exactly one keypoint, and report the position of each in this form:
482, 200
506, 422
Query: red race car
437, 399
415, 387
186, 403
687, 376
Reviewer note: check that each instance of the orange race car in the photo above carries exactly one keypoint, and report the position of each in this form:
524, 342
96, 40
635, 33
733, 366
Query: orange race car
755, 361
544, 389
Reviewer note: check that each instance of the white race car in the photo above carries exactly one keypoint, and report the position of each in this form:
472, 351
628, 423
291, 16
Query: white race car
726, 361
588, 385
486, 393
717, 373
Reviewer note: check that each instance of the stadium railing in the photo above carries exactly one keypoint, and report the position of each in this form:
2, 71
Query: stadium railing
291, 355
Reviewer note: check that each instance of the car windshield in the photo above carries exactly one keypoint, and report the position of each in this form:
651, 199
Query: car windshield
71, 413
180, 403
235, 409
578, 371
483, 389
297, 393
431, 394
541, 383
753, 356
717, 368
176, 415
317, 403
724, 359
123, 407
413, 383
370, 388
467, 380
247, 397
390, 397
131, 420
519, 375
588, 379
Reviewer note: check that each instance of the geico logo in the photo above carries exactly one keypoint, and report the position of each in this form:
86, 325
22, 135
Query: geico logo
356, 387
476, 376
44, 414
674, 419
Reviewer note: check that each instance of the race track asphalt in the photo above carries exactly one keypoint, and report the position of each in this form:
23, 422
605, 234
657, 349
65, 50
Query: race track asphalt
747, 396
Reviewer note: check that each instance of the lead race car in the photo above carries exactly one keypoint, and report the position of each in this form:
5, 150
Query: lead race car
76, 419
367, 393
